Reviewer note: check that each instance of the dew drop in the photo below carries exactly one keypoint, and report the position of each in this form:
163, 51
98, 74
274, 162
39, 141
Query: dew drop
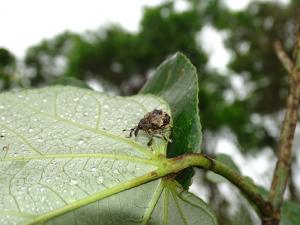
116, 172
73, 182
75, 99
1, 106
2, 117
105, 106
45, 100
100, 180
80, 142
85, 114
40, 139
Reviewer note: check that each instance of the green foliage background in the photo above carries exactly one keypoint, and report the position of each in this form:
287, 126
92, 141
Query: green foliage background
122, 61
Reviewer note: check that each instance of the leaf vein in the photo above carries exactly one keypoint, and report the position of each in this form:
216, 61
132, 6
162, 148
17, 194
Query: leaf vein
153, 202
24, 140
179, 209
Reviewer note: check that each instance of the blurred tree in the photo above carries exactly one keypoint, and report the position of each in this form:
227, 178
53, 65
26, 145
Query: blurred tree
48, 60
250, 39
7, 69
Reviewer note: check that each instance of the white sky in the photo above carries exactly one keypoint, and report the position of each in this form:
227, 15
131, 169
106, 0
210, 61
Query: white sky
25, 23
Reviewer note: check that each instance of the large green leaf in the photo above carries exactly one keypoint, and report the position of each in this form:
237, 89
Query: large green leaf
176, 82
66, 160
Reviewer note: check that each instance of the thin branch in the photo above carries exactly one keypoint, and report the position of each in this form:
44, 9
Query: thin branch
285, 142
283, 56
245, 185
283, 166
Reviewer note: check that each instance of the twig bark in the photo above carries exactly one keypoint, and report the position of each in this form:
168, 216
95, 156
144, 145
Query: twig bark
283, 56
283, 165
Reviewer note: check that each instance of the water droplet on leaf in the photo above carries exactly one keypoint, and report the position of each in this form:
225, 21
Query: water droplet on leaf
80, 142
73, 182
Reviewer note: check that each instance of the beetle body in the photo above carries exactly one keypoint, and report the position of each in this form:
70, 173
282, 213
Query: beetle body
153, 123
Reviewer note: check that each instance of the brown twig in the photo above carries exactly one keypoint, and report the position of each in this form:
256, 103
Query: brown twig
283, 56
283, 166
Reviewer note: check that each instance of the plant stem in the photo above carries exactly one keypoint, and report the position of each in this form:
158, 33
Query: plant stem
245, 185
283, 56
283, 165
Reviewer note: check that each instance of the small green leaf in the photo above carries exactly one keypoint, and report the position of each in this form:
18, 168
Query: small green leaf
65, 159
70, 81
215, 178
226, 159
290, 214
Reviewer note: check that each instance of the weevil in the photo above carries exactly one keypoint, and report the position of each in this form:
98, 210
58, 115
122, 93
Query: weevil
154, 123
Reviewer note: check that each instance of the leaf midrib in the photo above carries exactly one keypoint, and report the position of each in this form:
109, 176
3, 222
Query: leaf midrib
156, 195
85, 155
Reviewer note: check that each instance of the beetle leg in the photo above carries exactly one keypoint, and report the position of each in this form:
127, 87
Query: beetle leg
169, 140
150, 135
163, 135
136, 130
150, 141
132, 130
